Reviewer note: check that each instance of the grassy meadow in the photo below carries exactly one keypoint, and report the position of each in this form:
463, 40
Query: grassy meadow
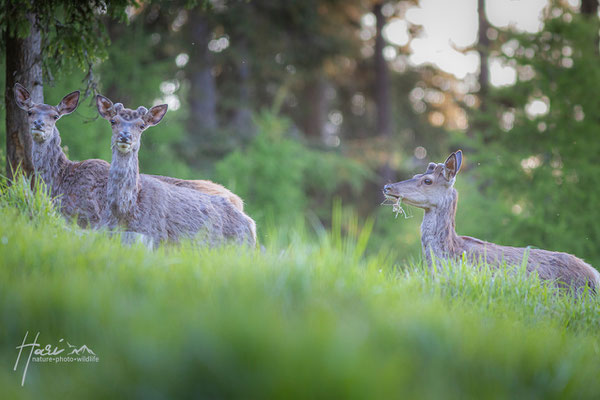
312, 315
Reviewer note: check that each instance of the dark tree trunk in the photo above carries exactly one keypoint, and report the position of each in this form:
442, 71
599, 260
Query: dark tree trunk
203, 89
589, 8
483, 48
382, 89
23, 65
382, 78
316, 107
479, 124
242, 118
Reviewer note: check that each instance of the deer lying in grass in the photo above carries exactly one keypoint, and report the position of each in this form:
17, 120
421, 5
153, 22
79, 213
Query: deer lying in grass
80, 185
433, 191
156, 209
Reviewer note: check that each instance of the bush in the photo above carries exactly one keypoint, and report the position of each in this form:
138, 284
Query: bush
278, 175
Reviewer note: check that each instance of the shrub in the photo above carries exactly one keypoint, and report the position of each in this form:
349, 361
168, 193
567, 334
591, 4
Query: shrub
277, 175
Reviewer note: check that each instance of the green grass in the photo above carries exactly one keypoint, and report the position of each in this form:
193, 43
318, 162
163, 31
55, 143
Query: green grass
311, 316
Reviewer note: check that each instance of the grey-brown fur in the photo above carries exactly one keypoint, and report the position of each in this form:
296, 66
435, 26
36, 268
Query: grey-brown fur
156, 209
438, 235
80, 186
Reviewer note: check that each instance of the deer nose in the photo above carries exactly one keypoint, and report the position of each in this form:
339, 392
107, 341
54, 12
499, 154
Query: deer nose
387, 188
124, 137
38, 123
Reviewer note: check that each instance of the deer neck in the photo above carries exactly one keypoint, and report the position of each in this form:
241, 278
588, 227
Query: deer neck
438, 234
49, 160
123, 184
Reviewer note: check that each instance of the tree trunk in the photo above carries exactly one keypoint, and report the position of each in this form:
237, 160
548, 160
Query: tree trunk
382, 78
483, 47
203, 89
242, 118
316, 107
23, 65
479, 125
589, 8
382, 89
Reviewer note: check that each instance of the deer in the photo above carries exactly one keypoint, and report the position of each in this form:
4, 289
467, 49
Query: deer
156, 209
434, 192
80, 186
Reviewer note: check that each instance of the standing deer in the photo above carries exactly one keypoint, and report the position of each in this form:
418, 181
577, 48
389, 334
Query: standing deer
434, 192
156, 209
80, 185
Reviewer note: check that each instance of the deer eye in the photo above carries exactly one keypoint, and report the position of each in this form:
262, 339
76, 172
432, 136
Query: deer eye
427, 181
30, 113
112, 122
55, 117
142, 126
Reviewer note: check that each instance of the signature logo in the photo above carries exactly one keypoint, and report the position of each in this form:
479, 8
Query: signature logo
50, 353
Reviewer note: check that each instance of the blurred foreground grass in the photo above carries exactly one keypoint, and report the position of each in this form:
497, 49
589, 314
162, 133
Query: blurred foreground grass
311, 316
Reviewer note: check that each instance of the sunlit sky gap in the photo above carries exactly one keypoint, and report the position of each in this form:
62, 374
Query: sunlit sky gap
450, 26
449, 33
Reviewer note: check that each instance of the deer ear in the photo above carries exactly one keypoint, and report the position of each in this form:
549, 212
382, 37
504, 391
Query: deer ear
22, 97
155, 114
105, 107
69, 103
459, 158
452, 165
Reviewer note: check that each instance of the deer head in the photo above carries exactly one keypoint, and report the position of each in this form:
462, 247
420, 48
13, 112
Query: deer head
128, 125
42, 117
429, 189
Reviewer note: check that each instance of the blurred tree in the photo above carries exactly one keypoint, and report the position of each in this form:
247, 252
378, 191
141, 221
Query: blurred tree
540, 159
382, 88
202, 95
483, 44
382, 76
317, 105
242, 118
44, 36
313, 36
589, 9
479, 121
238, 21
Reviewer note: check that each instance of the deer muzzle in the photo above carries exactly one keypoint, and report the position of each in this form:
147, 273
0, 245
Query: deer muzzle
388, 191
124, 142
39, 135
